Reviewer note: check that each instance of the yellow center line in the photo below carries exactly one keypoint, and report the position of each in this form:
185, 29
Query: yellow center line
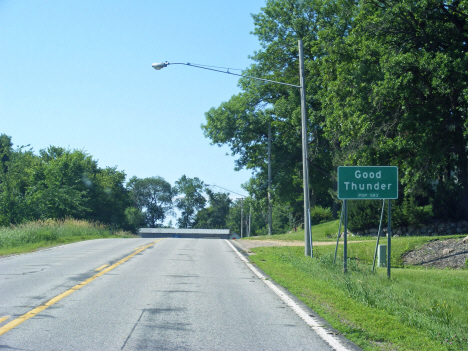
14, 323
102, 267
3, 319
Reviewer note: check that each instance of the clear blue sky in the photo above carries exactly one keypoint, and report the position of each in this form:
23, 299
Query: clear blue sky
77, 74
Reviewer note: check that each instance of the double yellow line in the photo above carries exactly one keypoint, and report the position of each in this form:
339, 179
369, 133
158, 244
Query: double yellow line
14, 323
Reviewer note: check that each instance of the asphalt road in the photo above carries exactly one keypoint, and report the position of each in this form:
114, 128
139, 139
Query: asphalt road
144, 294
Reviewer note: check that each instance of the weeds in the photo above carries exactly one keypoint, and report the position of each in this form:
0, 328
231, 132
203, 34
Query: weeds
51, 231
429, 305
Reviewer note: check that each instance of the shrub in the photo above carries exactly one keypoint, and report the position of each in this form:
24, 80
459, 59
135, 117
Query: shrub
319, 214
408, 213
363, 214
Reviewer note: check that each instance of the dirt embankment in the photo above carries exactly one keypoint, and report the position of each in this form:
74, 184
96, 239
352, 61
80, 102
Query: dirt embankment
449, 253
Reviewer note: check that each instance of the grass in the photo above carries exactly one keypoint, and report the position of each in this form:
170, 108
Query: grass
31, 236
416, 309
326, 231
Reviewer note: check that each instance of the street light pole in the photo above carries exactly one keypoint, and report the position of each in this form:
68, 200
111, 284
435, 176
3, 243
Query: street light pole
305, 162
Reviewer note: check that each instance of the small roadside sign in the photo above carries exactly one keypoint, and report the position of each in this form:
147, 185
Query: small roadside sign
367, 182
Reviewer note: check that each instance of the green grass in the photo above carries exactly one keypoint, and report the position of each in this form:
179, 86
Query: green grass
41, 234
364, 251
417, 309
326, 231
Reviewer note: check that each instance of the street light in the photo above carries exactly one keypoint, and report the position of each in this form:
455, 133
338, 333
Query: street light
305, 162
158, 66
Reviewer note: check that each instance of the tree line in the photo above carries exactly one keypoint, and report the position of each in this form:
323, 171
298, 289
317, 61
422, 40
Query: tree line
386, 84
61, 183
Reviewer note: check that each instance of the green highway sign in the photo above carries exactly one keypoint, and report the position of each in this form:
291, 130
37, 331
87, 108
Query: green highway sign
367, 182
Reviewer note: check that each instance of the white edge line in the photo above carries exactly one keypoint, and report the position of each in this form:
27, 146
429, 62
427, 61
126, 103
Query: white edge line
312, 322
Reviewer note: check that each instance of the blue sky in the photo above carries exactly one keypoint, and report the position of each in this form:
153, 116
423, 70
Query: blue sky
77, 74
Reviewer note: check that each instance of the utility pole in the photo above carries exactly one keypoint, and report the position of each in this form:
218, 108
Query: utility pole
305, 161
242, 217
250, 220
270, 226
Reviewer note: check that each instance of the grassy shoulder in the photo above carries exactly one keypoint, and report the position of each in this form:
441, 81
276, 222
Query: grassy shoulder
326, 231
415, 309
36, 235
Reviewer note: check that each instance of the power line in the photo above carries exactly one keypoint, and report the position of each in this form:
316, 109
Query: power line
226, 189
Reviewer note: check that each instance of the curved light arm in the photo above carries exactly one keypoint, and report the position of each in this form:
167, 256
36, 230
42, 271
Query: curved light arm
160, 65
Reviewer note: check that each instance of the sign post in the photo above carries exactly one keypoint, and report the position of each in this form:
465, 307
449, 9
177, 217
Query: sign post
368, 183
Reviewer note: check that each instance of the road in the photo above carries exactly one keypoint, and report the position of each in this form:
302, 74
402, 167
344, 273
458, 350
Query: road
144, 294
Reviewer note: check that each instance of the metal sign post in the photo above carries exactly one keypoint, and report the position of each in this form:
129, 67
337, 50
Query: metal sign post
389, 237
345, 237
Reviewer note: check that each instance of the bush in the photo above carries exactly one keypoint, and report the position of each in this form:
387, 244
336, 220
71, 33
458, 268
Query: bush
319, 214
364, 214
408, 214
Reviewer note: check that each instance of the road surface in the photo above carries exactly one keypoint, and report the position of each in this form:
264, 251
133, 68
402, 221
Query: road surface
145, 294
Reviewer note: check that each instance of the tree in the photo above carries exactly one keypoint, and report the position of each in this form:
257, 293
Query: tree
153, 196
386, 84
15, 170
58, 183
396, 91
108, 196
215, 215
68, 183
57, 189
191, 201
5, 151
242, 122
134, 219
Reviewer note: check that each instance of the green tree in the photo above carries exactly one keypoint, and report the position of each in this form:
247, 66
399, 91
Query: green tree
386, 84
190, 201
396, 88
153, 196
134, 219
5, 151
108, 196
58, 183
242, 122
215, 215
15, 171
57, 189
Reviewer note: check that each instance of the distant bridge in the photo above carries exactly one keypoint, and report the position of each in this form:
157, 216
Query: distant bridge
187, 233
